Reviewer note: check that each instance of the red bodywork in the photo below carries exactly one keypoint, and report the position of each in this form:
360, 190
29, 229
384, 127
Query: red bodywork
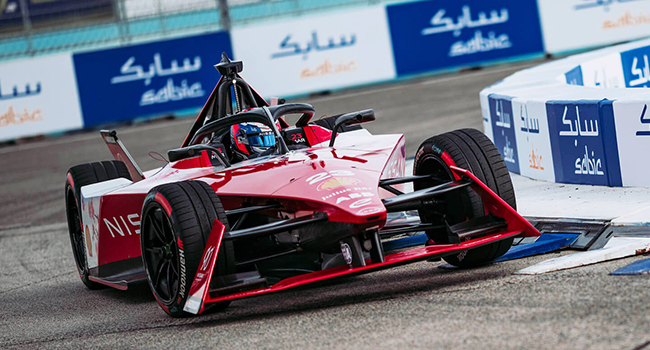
304, 182
517, 226
341, 181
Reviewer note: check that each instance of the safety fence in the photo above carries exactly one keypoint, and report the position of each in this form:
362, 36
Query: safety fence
34, 27
157, 59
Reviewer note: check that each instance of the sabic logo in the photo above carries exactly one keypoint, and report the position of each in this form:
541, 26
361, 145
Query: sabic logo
643, 74
17, 118
508, 152
590, 129
503, 118
588, 165
530, 124
534, 160
644, 121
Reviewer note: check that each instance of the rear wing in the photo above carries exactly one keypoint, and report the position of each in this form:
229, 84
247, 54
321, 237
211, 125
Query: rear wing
120, 153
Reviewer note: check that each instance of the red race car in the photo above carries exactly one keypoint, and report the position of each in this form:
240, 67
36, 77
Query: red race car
250, 205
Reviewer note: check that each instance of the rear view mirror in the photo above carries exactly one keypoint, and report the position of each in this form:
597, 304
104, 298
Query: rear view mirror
353, 118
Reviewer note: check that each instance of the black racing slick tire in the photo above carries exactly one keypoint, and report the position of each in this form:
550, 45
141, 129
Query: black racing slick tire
468, 149
78, 176
176, 222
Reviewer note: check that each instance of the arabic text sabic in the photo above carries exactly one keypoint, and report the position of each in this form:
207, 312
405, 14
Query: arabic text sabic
13, 118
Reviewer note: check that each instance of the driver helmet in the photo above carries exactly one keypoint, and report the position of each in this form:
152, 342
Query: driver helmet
251, 138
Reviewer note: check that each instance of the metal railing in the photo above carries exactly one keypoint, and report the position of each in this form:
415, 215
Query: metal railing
34, 27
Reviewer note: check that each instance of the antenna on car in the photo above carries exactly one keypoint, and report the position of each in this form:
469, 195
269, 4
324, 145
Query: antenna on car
228, 68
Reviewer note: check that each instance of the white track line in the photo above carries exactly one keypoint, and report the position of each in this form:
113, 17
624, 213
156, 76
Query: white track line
616, 248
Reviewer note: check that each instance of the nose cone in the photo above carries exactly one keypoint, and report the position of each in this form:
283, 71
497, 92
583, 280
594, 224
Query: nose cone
337, 182
347, 195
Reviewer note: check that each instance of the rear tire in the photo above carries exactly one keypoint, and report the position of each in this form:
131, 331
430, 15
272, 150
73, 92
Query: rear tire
176, 221
78, 176
468, 149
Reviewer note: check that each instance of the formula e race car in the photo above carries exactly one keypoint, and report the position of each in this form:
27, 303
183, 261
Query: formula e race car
250, 205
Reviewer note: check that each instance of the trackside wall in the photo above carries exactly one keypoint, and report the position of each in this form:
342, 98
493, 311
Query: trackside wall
293, 56
580, 120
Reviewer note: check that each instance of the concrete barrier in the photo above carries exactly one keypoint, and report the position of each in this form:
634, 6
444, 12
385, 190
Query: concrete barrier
579, 120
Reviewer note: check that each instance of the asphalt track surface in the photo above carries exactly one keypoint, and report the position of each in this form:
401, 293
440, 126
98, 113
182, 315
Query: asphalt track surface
44, 304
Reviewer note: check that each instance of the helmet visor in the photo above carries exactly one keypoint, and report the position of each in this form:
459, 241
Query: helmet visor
262, 140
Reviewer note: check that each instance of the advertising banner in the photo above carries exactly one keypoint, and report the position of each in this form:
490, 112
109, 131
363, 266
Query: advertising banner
604, 72
533, 143
583, 142
503, 130
149, 79
38, 96
577, 24
633, 135
430, 35
636, 67
313, 54
574, 76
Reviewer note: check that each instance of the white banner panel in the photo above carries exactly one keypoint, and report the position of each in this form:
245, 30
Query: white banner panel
312, 54
38, 96
577, 24
603, 72
533, 142
633, 138
485, 112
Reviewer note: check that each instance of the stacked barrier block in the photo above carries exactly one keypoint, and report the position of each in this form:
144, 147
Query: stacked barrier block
575, 120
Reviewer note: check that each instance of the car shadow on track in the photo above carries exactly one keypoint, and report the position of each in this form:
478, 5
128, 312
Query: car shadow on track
67, 296
138, 293
391, 284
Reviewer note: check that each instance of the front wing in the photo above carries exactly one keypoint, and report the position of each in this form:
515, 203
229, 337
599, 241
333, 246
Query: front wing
200, 295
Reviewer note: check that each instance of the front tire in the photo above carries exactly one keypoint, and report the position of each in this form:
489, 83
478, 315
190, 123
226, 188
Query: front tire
176, 221
468, 149
78, 176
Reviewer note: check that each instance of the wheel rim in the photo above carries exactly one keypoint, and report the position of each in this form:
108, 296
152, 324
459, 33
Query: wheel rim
449, 211
76, 233
435, 167
160, 252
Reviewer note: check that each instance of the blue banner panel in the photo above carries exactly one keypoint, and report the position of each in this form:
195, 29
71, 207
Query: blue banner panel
149, 79
610, 141
546, 243
636, 67
641, 267
503, 129
574, 76
430, 35
583, 142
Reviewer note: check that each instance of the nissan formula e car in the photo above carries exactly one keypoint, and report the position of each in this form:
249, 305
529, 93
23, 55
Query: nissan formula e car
250, 205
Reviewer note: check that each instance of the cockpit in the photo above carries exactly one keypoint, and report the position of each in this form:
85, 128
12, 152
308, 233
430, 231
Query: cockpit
237, 124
